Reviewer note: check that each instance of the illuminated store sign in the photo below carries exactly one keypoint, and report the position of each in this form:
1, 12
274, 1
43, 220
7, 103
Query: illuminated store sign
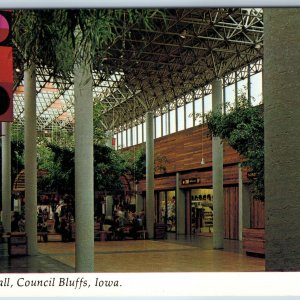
190, 181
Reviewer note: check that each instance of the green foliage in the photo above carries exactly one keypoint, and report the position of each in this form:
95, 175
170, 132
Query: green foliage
140, 163
243, 128
17, 158
50, 37
17, 152
99, 134
59, 163
107, 169
160, 162
134, 163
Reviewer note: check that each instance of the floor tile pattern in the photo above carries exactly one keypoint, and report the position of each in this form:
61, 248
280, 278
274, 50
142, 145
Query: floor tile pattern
176, 254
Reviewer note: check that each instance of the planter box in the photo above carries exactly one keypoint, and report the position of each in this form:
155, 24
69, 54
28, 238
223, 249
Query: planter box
160, 231
18, 250
254, 240
17, 244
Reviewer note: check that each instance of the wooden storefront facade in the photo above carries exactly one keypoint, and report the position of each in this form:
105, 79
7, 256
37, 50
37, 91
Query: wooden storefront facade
183, 152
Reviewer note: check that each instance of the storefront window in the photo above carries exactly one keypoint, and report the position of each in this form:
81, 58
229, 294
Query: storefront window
202, 210
162, 207
167, 210
171, 211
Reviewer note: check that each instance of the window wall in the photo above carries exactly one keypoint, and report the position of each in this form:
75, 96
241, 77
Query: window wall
140, 134
207, 103
134, 135
181, 115
165, 124
198, 113
157, 126
180, 118
189, 115
173, 121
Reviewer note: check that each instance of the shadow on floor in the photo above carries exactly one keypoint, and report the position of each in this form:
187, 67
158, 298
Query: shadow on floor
30, 264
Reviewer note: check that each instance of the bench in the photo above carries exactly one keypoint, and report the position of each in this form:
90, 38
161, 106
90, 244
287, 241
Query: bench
254, 241
142, 234
43, 236
105, 235
3, 237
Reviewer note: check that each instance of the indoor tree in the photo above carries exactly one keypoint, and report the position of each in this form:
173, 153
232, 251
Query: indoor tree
58, 161
242, 127
60, 38
50, 38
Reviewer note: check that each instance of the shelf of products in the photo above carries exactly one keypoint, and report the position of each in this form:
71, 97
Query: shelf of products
208, 219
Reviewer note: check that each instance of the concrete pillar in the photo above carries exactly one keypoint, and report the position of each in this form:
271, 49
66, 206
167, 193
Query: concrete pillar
281, 86
109, 198
6, 176
150, 205
244, 205
180, 207
139, 203
188, 204
217, 156
109, 206
84, 169
30, 159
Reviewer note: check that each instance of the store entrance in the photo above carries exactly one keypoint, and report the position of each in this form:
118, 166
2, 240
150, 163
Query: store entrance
167, 209
202, 210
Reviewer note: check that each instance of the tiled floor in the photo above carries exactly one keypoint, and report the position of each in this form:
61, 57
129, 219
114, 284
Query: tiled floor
185, 254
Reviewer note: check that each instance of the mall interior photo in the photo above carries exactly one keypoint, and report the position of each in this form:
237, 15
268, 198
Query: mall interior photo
150, 140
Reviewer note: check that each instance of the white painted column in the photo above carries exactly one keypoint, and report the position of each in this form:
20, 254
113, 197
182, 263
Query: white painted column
244, 205
150, 205
6, 176
180, 207
109, 198
84, 169
188, 203
109, 206
30, 159
217, 155
139, 203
